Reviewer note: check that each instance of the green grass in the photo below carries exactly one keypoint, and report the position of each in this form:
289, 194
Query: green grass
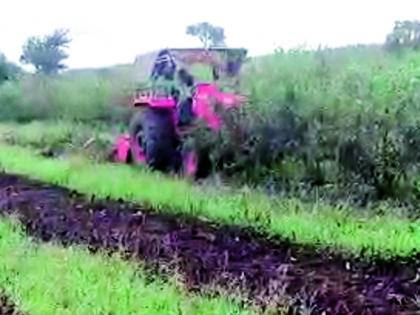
52, 133
50, 280
317, 224
83, 97
39, 133
61, 137
350, 79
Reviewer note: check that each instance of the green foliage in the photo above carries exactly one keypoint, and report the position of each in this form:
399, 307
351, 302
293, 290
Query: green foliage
4, 71
62, 138
209, 35
8, 70
340, 228
406, 34
347, 117
47, 54
90, 97
50, 280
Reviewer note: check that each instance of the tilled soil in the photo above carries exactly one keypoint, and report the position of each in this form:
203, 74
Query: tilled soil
7, 307
206, 255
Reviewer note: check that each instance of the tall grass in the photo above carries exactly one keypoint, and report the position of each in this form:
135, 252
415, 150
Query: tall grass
359, 78
85, 97
330, 117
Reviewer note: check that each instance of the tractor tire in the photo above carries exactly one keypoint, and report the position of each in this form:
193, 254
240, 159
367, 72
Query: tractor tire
204, 163
136, 134
159, 139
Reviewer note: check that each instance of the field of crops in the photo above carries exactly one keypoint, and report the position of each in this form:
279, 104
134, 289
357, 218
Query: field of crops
311, 207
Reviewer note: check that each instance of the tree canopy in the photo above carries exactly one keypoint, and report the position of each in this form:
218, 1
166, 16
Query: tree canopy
47, 53
209, 35
8, 70
406, 34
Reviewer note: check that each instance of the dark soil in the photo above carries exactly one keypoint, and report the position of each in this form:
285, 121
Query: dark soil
7, 307
208, 255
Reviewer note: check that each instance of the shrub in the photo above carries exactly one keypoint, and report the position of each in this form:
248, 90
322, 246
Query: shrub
341, 122
91, 98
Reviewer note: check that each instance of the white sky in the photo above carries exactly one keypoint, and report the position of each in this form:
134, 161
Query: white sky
113, 31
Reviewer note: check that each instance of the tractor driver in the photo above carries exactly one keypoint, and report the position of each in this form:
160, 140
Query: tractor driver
186, 91
181, 87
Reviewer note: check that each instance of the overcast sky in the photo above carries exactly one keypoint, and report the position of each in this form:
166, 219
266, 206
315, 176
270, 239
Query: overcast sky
113, 31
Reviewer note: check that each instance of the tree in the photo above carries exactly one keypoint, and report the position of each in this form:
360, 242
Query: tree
406, 34
4, 71
208, 34
8, 70
46, 54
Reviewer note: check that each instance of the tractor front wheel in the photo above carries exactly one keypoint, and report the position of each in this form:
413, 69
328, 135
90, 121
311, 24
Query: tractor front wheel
154, 132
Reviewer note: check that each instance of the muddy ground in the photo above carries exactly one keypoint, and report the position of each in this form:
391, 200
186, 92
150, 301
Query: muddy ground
7, 306
264, 271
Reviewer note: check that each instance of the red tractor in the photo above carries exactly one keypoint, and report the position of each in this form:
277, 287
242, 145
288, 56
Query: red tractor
173, 103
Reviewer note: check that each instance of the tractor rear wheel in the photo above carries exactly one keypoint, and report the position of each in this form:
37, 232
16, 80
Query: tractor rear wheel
154, 131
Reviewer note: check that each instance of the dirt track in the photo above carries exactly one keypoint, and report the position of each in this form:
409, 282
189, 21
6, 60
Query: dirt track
204, 254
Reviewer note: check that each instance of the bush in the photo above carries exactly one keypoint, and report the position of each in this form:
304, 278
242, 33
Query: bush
341, 122
85, 98
8, 70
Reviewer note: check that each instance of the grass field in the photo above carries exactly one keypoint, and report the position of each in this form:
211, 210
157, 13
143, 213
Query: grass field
51, 280
344, 229
61, 138
332, 135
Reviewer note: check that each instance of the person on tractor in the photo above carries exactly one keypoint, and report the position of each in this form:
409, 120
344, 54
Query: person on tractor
185, 100
179, 84
185, 91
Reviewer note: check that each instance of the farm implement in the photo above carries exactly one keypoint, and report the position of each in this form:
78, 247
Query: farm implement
173, 103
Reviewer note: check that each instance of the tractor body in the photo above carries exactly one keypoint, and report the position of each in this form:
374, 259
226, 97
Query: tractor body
174, 102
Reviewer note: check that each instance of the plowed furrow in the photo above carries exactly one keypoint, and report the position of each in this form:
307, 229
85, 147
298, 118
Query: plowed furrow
265, 272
